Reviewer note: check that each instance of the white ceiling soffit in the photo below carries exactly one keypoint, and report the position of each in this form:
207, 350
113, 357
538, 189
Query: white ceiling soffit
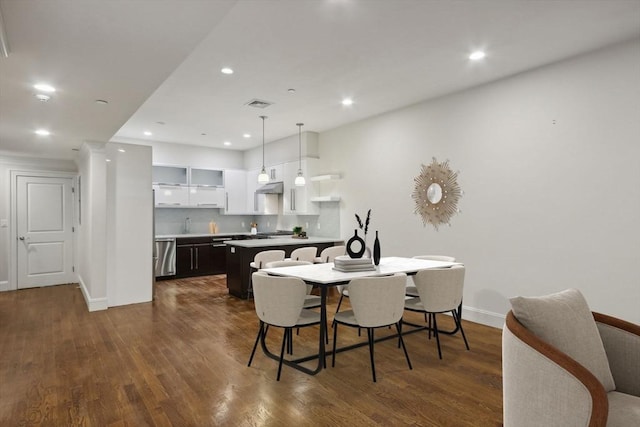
160, 60
118, 51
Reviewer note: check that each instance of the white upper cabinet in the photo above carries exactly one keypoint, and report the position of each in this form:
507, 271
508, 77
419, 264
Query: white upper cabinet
171, 196
235, 186
297, 200
207, 177
170, 175
276, 173
206, 197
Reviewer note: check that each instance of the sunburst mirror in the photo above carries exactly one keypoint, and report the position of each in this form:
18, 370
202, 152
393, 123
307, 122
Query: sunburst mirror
436, 193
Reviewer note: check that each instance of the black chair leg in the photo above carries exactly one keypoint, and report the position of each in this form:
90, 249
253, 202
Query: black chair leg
371, 342
429, 325
338, 308
335, 335
435, 332
459, 324
284, 343
399, 329
253, 352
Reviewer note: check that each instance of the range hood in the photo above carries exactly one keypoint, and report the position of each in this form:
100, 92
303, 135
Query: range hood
271, 188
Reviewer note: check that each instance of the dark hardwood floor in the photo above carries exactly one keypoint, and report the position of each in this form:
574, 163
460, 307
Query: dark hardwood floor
182, 361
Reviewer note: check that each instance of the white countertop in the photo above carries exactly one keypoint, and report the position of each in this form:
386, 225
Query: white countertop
279, 241
173, 236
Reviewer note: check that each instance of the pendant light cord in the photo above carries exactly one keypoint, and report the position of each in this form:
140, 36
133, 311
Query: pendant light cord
263, 117
300, 145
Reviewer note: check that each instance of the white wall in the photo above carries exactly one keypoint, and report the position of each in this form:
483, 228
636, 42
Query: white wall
129, 224
91, 249
7, 164
550, 167
282, 151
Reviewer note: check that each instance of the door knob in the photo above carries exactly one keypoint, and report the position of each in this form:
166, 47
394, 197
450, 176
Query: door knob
21, 237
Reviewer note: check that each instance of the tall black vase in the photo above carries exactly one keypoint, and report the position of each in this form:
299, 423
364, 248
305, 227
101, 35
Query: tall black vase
376, 250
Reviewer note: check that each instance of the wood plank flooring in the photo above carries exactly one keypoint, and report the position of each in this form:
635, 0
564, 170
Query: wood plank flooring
182, 361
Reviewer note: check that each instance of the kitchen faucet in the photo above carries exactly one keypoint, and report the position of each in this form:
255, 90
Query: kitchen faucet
187, 225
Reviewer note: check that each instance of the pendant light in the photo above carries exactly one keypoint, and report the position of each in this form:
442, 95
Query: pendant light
300, 182
263, 178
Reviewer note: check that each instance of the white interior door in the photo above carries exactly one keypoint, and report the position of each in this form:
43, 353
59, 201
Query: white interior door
45, 234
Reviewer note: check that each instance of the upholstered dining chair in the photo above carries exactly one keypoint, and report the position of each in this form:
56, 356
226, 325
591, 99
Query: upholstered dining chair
330, 253
411, 287
307, 253
262, 258
377, 302
279, 302
440, 291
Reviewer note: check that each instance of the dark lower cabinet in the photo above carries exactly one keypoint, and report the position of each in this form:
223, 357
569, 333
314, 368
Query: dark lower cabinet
198, 256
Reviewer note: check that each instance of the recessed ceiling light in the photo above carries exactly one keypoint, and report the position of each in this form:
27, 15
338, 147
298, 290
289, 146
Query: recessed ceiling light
108, 160
227, 143
45, 87
477, 55
42, 97
347, 101
147, 133
122, 150
43, 132
101, 102
226, 70
246, 135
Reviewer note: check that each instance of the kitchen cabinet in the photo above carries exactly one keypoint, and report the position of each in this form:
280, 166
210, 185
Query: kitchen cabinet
206, 197
235, 187
207, 177
297, 200
169, 175
171, 195
198, 256
276, 173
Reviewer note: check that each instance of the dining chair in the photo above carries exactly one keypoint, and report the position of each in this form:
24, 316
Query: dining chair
330, 253
376, 302
279, 302
262, 258
307, 253
411, 288
440, 291
311, 301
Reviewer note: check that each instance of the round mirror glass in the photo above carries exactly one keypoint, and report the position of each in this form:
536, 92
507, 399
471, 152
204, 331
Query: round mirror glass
434, 193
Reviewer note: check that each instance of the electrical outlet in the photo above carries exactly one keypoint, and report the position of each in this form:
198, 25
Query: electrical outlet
3, 223
306, 225
242, 224
268, 224
318, 226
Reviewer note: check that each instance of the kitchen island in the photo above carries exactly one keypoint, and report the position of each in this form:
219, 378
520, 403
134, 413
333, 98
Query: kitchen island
240, 254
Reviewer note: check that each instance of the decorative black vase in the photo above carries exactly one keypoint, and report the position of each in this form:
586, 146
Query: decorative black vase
354, 239
376, 250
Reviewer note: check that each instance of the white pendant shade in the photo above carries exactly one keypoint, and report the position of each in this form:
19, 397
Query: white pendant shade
300, 181
263, 178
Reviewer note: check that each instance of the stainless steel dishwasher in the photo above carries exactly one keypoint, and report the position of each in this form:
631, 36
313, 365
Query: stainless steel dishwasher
166, 262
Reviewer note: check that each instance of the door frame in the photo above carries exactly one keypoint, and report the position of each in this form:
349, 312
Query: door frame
13, 209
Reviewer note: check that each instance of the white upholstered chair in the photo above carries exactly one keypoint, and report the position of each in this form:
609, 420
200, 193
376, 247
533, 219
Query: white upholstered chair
263, 258
440, 291
279, 302
377, 302
563, 365
330, 253
307, 253
311, 301
411, 287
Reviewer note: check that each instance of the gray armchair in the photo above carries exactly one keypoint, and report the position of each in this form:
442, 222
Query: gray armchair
544, 384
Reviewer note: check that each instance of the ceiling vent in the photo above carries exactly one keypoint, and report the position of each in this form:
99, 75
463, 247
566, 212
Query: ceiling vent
258, 103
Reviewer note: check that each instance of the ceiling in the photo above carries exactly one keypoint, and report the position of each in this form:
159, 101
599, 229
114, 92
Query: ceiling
157, 62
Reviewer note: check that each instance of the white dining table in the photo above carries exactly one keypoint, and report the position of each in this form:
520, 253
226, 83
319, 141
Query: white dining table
325, 276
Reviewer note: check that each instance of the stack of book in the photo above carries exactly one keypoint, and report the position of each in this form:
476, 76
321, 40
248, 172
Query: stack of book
347, 264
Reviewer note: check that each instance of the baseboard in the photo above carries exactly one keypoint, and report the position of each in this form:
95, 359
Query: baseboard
4, 286
93, 304
483, 317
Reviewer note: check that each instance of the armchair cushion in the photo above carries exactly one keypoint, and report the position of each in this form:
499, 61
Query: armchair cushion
624, 410
564, 320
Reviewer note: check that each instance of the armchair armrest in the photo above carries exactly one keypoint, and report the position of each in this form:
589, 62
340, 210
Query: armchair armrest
621, 341
544, 386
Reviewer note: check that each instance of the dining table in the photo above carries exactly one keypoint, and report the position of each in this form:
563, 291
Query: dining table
324, 276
